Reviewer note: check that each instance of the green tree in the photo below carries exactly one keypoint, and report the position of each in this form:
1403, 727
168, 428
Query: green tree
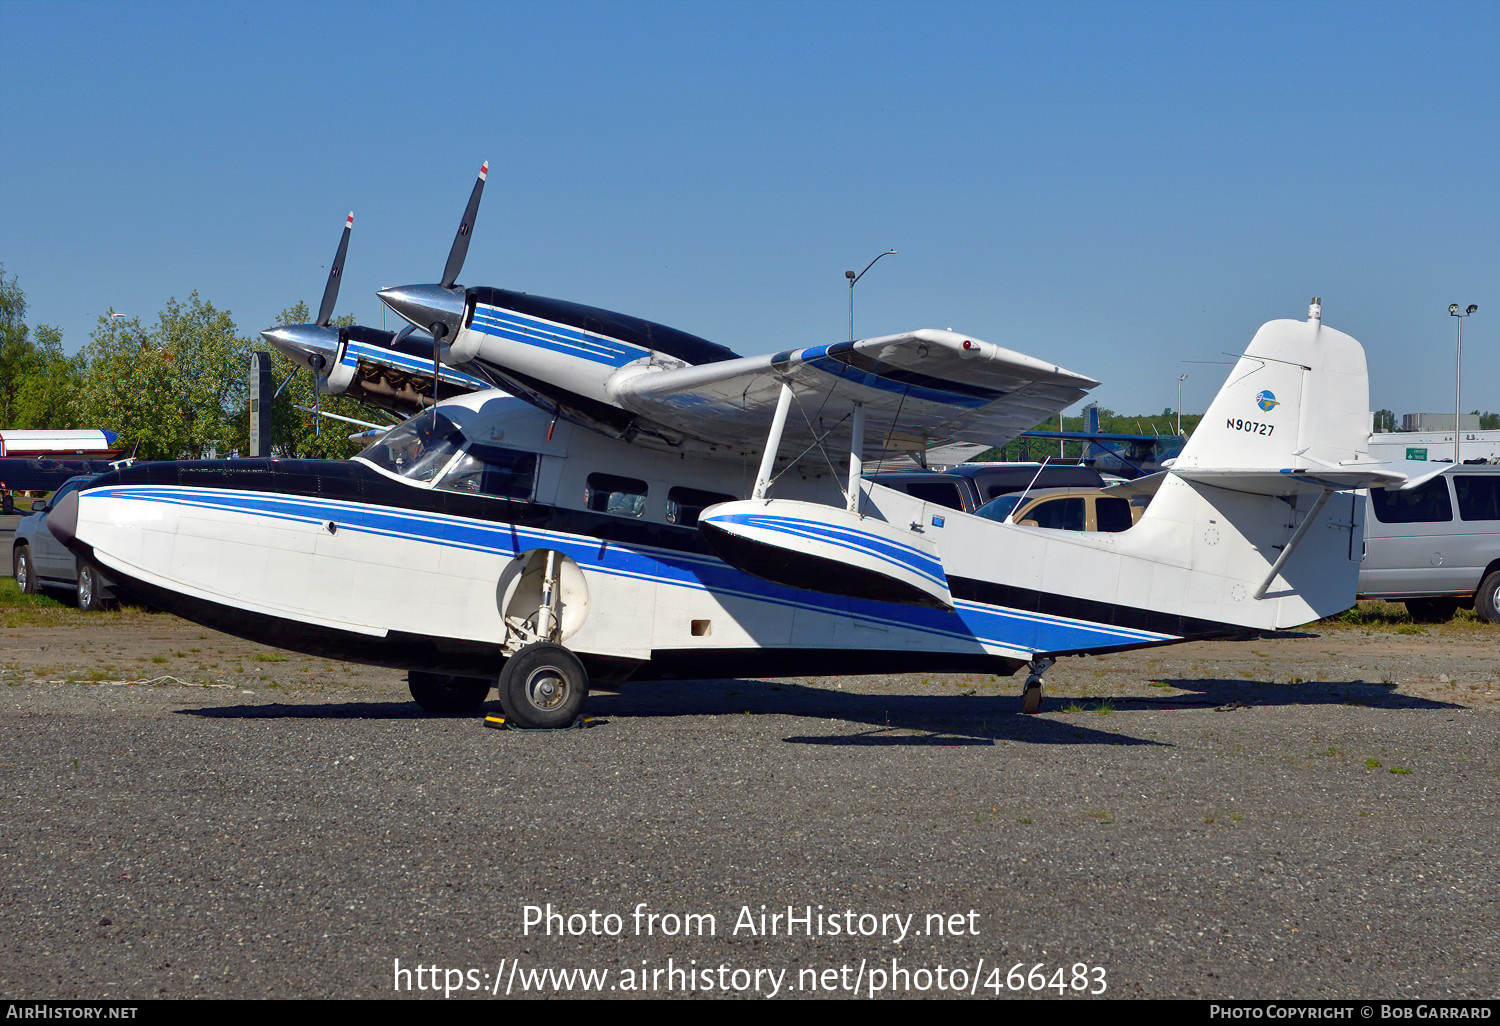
38, 383
1385, 420
175, 390
126, 376
210, 384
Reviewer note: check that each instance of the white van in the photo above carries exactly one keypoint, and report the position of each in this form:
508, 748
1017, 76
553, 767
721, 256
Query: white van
1436, 547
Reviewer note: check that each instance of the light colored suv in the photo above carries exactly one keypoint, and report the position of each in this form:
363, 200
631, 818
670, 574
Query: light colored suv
1436, 547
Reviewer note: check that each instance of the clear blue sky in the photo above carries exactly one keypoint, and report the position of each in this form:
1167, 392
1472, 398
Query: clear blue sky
1118, 187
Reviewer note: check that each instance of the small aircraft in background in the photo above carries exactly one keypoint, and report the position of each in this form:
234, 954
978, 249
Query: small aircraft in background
647, 504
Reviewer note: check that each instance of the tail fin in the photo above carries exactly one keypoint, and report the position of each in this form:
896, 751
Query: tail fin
1296, 403
1250, 506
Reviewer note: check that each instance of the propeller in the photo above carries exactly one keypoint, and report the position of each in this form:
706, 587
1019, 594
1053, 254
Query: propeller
335, 275
439, 309
460, 248
316, 346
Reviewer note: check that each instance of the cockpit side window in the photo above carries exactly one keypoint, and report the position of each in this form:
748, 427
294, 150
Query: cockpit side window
417, 450
489, 470
610, 493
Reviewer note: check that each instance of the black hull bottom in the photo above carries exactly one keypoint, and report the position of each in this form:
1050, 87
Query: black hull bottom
401, 651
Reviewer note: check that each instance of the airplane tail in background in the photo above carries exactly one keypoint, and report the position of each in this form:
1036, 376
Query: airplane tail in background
1262, 505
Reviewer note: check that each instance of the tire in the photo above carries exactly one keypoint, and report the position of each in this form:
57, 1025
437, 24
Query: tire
444, 694
1432, 610
1487, 598
89, 589
25, 569
543, 687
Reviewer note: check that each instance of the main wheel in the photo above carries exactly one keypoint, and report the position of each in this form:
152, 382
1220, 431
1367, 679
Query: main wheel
543, 686
1031, 698
25, 571
1432, 610
90, 599
1487, 598
445, 694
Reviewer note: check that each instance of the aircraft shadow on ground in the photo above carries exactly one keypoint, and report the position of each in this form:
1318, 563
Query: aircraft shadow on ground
1225, 693
901, 720
893, 720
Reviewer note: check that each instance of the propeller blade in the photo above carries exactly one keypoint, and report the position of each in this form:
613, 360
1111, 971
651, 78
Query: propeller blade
335, 273
465, 229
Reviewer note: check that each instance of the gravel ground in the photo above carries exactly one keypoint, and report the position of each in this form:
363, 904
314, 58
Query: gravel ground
189, 815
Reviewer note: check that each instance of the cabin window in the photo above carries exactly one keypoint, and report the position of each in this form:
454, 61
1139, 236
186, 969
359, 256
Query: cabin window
684, 504
418, 449
620, 496
1426, 504
1478, 497
1058, 514
489, 470
1113, 515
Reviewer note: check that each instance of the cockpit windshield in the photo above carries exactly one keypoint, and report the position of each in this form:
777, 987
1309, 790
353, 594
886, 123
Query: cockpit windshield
419, 449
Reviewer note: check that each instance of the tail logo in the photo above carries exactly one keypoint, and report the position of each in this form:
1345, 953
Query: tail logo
1267, 400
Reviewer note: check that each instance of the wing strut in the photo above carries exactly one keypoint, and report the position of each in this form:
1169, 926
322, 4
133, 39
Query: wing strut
773, 443
856, 459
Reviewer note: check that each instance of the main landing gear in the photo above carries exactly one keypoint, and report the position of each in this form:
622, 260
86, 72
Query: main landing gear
1031, 696
445, 694
542, 687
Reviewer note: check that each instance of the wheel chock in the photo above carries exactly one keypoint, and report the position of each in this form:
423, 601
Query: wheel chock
501, 723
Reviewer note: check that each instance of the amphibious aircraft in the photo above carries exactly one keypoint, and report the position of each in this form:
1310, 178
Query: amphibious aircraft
633, 514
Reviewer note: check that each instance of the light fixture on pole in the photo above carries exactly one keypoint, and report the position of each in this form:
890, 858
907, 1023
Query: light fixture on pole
1180, 379
854, 278
1458, 362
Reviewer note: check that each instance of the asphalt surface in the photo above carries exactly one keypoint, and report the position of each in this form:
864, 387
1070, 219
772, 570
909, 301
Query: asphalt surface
1206, 837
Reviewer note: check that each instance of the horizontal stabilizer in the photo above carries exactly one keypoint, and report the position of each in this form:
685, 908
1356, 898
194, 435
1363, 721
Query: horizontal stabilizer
1292, 481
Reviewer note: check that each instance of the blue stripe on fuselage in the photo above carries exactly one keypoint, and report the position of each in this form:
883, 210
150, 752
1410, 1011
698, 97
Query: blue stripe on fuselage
969, 621
557, 338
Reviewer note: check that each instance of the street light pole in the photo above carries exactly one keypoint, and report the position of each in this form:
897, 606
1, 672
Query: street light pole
854, 278
1180, 379
1458, 363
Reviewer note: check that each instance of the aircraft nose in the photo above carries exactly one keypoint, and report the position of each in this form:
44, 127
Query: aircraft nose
311, 345
62, 519
426, 305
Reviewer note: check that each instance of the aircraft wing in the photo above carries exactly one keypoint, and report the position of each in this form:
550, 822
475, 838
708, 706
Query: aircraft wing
919, 389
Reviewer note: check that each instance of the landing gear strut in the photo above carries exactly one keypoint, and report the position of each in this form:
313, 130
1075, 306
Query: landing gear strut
1031, 696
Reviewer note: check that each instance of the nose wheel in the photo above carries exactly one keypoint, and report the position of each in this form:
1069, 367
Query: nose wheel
1031, 695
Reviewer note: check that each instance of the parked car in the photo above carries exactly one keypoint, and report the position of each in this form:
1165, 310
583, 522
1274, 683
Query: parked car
1436, 547
970, 485
41, 561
